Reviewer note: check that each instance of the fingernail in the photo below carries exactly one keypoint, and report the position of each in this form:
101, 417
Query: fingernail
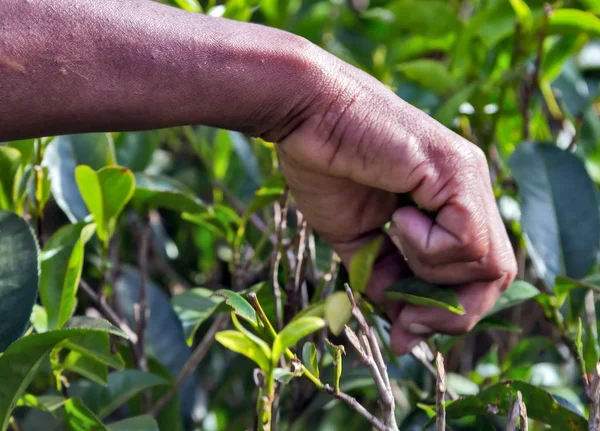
419, 329
397, 243
413, 343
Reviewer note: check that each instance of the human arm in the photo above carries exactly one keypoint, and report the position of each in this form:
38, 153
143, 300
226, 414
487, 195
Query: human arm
348, 145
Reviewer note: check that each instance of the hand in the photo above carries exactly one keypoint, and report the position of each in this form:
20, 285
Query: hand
347, 162
348, 145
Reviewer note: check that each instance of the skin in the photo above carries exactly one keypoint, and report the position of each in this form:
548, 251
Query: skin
348, 145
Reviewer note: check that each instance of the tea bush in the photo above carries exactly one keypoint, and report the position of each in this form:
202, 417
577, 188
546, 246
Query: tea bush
165, 280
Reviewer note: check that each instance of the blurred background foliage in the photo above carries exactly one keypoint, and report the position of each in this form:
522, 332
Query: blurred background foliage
198, 210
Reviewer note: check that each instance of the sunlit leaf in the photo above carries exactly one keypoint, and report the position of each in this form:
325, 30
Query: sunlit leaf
293, 333
361, 265
337, 311
61, 267
239, 343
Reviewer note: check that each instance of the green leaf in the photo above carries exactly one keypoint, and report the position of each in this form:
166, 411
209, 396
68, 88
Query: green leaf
338, 311
95, 150
18, 276
118, 185
251, 336
86, 367
431, 74
449, 110
134, 150
62, 264
361, 265
164, 338
239, 343
419, 292
240, 306
283, 375
558, 53
310, 358
523, 13
411, 16
562, 227
26, 148
193, 307
137, 423
105, 192
541, 405
272, 190
122, 386
530, 351
317, 309
189, 5
519, 291
47, 403
492, 323
79, 418
10, 164
61, 162
163, 192
336, 353
293, 333
93, 347
21, 360
573, 21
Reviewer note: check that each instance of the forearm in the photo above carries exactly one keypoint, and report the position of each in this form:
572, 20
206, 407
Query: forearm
69, 66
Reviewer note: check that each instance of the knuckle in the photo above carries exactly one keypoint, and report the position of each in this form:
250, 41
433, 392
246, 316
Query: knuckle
479, 158
474, 246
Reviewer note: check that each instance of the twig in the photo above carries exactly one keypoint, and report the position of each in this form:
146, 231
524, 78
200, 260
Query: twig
141, 310
355, 405
197, 356
440, 394
108, 312
594, 395
241, 208
300, 270
523, 413
280, 227
370, 354
349, 400
421, 353
322, 289
518, 412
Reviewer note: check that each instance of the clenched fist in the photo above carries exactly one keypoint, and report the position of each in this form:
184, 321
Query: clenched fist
348, 145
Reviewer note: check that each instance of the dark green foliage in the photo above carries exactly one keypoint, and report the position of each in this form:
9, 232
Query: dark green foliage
182, 223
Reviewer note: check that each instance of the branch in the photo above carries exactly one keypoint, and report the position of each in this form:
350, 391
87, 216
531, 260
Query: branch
355, 405
440, 394
371, 356
517, 411
280, 215
594, 395
199, 353
141, 311
140, 308
108, 312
